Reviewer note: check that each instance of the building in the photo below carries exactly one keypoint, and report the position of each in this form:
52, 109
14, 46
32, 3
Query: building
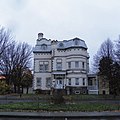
103, 85
93, 84
61, 65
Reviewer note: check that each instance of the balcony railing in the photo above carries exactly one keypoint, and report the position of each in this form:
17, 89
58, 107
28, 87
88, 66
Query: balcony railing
92, 87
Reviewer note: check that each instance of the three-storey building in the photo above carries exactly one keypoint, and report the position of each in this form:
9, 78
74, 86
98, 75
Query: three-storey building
61, 65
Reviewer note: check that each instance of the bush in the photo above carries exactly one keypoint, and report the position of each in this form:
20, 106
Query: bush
4, 88
57, 97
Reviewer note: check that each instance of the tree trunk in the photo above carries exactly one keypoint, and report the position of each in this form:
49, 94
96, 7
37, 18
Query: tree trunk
22, 88
27, 90
18, 88
14, 88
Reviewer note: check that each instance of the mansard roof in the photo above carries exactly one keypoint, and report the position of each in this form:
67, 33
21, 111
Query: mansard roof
44, 45
38, 48
76, 42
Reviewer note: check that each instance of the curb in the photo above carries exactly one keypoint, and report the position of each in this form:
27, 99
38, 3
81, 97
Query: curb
60, 114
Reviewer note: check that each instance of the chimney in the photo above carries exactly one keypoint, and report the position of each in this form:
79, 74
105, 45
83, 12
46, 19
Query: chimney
40, 36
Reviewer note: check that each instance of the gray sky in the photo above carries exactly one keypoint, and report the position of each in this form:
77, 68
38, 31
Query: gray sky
91, 20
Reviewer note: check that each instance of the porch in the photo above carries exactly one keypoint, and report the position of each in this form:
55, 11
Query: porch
59, 80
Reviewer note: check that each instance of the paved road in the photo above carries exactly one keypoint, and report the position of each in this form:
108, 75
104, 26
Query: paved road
59, 119
60, 116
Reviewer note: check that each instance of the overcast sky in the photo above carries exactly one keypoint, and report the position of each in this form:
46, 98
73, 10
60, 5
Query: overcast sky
91, 20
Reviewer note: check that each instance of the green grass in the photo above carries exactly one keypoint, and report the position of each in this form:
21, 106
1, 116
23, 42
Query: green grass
91, 97
60, 107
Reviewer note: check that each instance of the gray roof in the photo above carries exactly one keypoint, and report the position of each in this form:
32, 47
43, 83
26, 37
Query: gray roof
38, 48
71, 43
65, 44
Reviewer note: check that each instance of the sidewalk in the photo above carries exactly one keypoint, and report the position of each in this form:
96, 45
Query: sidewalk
60, 114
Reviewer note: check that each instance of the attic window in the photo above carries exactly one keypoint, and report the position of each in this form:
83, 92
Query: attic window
76, 42
61, 45
43, 46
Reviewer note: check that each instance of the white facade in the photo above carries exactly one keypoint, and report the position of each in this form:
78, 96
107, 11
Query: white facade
61, 65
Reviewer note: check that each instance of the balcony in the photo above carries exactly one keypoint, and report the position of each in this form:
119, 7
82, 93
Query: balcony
92, 87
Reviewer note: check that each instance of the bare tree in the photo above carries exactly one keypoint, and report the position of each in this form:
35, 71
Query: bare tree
15, 59
5, 38
22, 62
117, 51
106, 50
107, 67
7, 62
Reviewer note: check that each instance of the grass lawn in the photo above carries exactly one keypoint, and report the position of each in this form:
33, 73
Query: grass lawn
70, 97
59, 107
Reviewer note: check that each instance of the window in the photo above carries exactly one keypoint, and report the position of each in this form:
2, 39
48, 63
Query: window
76, 42
44, 66
69, 81
90, 81
38, 81
76, 81
59, 66
69, 65
43, 46
41, 67
76, 64
83, 65
61, 45
48, 82
83, 81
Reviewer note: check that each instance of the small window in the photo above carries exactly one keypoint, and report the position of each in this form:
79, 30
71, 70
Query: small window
77, 92
41, 67
43, 46
44, 66
83, 81
69, 65
48, 82
69, 81
61, 45
103, 92
90, 81
83, 65
59, 65
76, 64
76, 81
76, 42
38, 81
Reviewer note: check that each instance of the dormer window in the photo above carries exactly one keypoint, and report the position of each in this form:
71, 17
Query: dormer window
61, 45
76, 42
43, 46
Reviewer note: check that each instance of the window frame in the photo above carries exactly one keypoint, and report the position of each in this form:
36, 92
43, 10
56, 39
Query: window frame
43, 64
48, 82
43, 46
77, 81
76, 42
40, 81
59, 65
83, 65
83, 81
69, 81
77, 64
69, 65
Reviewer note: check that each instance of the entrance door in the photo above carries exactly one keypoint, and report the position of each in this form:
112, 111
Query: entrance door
59, 84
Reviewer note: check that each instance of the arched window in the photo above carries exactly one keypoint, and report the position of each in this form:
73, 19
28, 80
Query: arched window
76, 42
43, 46
61, 45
